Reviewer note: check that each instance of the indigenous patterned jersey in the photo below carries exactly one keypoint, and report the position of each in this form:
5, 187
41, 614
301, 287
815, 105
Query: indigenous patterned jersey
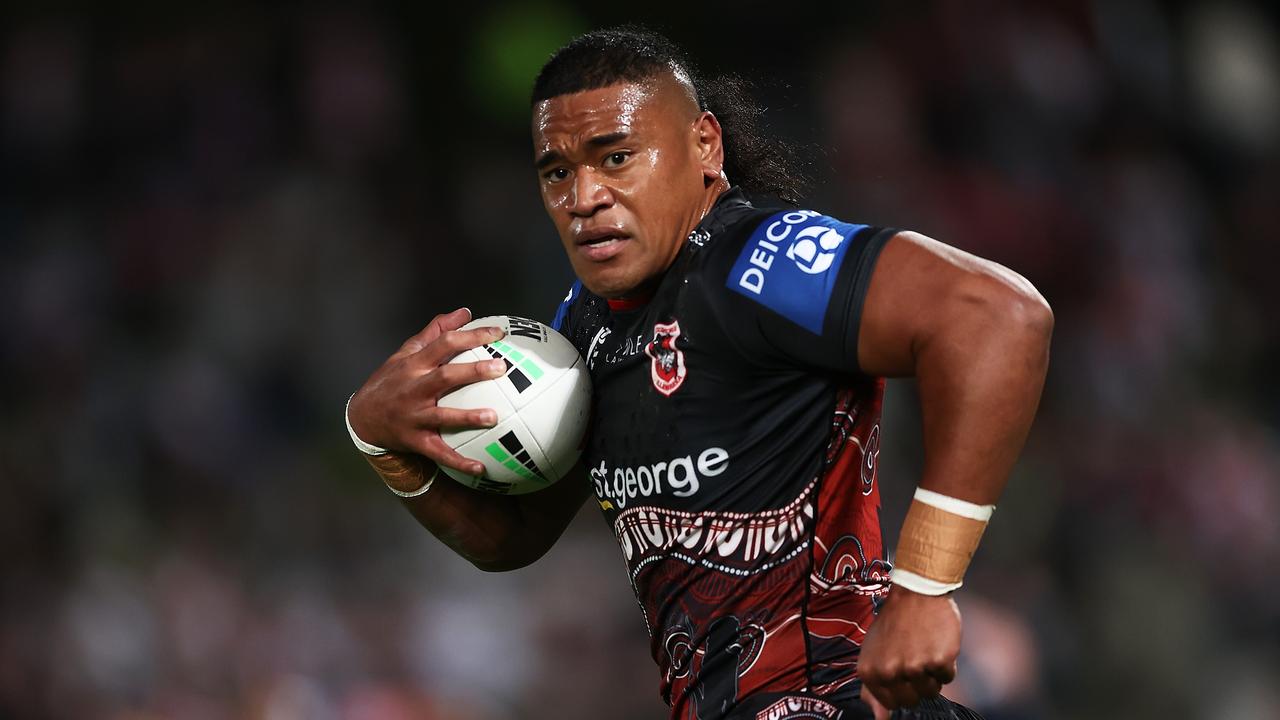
733, 452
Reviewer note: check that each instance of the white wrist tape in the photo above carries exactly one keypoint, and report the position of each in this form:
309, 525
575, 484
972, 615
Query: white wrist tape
362, 446
955, 506
920, 583
415, 493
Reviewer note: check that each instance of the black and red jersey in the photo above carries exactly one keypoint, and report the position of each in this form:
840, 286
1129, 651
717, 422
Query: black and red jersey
733, 453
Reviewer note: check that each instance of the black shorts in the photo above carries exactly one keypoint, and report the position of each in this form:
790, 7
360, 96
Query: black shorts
938, 708
801, 706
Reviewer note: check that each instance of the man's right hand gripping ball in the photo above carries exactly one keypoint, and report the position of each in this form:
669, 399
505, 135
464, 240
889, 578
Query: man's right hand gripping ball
397, 408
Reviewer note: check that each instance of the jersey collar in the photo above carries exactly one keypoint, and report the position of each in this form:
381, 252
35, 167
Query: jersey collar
628, 304
720, 215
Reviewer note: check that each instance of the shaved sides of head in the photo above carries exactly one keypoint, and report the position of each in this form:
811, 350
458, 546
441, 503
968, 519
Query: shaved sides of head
754, 159
606, 57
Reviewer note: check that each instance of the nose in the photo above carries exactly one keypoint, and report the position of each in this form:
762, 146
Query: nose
590, 194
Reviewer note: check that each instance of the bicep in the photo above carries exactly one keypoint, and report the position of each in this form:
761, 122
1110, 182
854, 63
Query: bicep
919, 287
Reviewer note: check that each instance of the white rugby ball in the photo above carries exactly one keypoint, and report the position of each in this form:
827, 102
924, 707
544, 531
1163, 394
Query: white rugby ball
543, 404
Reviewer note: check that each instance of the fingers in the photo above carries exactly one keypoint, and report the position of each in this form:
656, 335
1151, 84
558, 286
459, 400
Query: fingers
445, 378
944, 671
426, 441
889, 686
444, 323
883, 695
445, 347
411, 408
877, 708
439, 325
904, 688
924, 686
436, 418
904, 694
433, 447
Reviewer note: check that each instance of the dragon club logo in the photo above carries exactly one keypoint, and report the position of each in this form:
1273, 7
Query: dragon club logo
667, 365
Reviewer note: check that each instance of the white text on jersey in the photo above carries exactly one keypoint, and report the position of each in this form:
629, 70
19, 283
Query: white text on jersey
681, 476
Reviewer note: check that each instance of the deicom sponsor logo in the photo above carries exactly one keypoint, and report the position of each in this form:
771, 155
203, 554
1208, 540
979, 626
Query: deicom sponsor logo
681, 477
790, 265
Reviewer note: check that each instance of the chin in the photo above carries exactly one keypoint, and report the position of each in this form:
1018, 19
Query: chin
609, 285
608, 290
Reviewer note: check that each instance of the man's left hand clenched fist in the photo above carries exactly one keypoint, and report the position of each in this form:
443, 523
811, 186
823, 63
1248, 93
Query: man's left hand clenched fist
910, 651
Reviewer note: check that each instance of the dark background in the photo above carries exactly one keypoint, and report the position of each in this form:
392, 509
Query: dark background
214, 225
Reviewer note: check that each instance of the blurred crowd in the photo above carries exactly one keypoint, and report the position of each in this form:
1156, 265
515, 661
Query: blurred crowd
213, 227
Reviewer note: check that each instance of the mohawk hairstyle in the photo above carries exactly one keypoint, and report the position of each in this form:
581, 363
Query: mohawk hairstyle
758, 163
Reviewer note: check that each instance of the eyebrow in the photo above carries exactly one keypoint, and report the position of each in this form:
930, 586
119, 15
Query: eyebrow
553, 156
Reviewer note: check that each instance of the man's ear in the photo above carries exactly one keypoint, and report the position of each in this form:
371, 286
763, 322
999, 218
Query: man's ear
710, 145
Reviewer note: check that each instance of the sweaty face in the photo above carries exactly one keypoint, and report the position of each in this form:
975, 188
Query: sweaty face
621, 170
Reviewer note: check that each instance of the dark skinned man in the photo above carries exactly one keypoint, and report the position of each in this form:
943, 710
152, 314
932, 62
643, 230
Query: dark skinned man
738, 357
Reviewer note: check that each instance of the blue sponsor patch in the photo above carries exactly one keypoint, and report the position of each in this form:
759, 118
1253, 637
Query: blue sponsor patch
790, 265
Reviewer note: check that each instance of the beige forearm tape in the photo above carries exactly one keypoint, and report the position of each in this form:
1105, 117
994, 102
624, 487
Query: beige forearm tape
404, 475
938, 539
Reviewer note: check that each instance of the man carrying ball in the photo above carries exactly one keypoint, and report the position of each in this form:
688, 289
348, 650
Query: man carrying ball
737, 356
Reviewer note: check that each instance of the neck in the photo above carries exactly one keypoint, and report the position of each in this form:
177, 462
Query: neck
714, 190
710, 194
641, 294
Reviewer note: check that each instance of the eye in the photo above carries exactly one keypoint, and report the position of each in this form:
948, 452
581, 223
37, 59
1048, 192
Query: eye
555, 175
615, 159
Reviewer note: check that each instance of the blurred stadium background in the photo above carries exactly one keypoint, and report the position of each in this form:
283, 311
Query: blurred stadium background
214, 225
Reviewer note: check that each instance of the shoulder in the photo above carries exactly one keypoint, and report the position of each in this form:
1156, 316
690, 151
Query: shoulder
812, 240
761, 242
789, 260
561, 319
579, 315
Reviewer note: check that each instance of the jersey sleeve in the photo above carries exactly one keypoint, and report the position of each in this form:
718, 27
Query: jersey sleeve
561, 322
792, 291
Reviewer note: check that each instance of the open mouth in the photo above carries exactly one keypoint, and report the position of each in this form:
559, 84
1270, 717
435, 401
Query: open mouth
602, 249
601, 243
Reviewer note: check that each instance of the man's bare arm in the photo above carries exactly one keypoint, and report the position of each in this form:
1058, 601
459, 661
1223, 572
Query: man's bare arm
976, 337
494, 532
